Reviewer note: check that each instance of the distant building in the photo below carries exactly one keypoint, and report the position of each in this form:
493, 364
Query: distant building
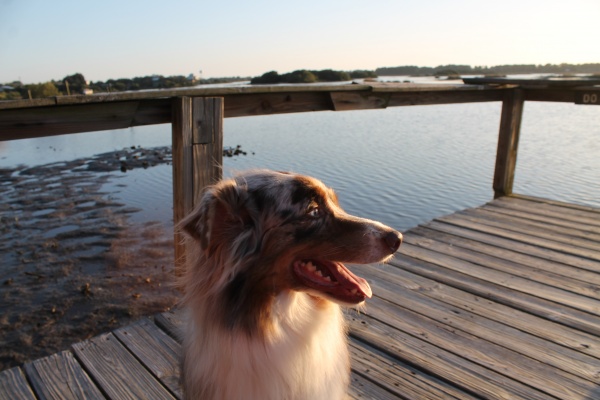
87, 91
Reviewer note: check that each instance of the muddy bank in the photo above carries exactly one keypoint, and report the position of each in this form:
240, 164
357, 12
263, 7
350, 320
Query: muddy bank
73, 265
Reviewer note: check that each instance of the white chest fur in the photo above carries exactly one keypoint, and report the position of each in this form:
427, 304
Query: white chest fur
304, 356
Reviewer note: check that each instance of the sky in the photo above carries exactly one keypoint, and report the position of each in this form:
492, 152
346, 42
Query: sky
42, 40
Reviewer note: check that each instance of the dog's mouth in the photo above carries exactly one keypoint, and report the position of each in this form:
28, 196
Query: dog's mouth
332, 279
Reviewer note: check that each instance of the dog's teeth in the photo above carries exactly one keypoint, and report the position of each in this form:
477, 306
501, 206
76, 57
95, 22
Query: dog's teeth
319, 273
311, 267
328, 279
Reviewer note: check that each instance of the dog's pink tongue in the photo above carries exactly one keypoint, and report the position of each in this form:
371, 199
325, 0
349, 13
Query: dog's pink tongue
350, 281
332, 279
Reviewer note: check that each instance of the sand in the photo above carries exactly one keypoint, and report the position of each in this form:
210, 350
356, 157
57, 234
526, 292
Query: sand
73, 263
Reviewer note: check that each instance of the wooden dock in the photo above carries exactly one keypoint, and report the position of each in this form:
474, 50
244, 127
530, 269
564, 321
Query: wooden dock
497, 302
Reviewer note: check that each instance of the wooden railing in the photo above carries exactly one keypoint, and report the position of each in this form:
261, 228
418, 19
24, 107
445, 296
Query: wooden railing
197, 116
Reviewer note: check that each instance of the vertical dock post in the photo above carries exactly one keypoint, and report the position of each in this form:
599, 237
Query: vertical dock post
508, 142
197, 138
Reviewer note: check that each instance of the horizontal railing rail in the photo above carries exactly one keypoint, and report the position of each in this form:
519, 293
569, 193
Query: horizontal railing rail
197, 114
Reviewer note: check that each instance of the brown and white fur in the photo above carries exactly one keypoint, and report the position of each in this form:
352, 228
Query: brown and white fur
264, 288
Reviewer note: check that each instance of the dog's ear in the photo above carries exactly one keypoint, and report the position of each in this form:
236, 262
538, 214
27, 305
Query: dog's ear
220, 217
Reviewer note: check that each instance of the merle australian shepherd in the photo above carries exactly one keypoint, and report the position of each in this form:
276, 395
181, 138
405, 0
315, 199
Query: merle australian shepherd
264, 285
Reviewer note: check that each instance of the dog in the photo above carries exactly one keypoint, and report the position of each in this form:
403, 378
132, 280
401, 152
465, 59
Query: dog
264, 282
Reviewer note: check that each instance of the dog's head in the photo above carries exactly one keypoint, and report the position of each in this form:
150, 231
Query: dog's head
264, 232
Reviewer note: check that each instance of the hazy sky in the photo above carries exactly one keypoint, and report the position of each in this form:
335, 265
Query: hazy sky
42, 40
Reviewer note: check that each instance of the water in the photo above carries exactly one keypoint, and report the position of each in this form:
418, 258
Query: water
402, 166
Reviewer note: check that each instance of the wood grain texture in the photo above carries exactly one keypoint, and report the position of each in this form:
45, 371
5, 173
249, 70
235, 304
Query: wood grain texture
117, 371
59, 377
524, 346
159, 353
364, 389
13, 385
183, 177
397, 377
508, 142
437, 361
172, 323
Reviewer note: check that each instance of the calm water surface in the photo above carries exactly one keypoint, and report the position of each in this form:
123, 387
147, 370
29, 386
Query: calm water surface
402, 166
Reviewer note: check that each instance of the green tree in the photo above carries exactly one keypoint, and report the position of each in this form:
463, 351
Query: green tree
10, 95
299, 76
40, 90
76, 83
267, 77
329, 75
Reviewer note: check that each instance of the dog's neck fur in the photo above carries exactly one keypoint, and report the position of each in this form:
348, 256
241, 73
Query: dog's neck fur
303, 356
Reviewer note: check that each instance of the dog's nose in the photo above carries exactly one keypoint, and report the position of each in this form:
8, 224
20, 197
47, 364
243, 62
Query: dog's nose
393, 240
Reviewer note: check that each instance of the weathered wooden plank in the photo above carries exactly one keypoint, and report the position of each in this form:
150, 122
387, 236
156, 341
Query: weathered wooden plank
575, 229
507, 280
496, 358
398, 378
560, 204
588, 217
59, 377
172, 323
562, 95
381, 98
276, 103
207, 123
50, 121
159, 353
183, 177
542, 230
207, 149
13, 385
396, 287
513, 245
117, 371
535, 83
577, 280
344, 101
475, 224
508, 142
438, 361
363, 389
526, 322
524, 301
197, 156
234, 91
153, 111
426, 97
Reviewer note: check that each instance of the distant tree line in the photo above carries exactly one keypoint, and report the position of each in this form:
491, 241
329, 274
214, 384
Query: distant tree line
306, 76
156, 82
77, 84
452, 69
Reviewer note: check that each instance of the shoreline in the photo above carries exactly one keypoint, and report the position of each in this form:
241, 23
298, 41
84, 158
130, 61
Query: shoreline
74, 264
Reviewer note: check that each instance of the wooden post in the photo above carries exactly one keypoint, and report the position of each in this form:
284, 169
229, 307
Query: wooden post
197, 135
508, 142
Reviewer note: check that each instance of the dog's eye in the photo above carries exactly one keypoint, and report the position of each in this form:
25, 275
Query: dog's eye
313, 211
